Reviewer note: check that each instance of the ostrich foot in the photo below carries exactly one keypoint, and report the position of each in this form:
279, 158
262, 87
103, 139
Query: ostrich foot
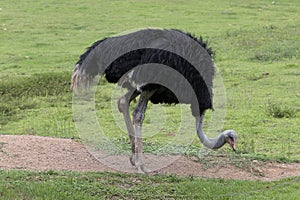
142, 169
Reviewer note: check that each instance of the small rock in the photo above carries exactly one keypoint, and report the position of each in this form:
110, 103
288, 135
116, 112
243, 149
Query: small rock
265, 73
259, 170
255, 161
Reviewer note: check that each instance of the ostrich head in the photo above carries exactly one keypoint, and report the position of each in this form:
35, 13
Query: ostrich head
230, 138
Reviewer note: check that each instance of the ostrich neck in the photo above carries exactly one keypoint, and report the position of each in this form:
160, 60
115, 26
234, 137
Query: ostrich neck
211, 143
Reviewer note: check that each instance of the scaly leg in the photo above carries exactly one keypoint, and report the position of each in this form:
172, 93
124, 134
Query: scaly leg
123, 105
138, 118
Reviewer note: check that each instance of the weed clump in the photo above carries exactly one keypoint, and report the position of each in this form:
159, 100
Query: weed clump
36, 85
277, 110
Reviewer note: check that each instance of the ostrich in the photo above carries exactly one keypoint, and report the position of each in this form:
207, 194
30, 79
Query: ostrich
132, 60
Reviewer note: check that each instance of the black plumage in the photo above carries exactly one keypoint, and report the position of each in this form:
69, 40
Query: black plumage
138, 57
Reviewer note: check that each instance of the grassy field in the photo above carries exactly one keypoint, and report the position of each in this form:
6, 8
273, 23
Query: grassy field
67, 185
257, 54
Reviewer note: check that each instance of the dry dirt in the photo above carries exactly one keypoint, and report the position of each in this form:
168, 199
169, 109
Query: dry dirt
44, 153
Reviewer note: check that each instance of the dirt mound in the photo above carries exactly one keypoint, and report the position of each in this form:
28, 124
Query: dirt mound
44, 153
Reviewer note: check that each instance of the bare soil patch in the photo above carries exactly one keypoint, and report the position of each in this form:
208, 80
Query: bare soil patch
45, 153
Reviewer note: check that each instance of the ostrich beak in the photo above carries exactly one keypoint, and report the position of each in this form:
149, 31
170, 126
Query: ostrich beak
232, 144
233, 147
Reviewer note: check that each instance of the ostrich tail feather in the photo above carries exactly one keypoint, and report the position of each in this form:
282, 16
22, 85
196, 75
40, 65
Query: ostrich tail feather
80, 81
74, 80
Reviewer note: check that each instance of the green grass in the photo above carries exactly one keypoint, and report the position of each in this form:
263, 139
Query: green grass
257, 54
72, 185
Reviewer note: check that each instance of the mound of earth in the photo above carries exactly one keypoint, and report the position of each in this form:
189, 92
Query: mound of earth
44, 153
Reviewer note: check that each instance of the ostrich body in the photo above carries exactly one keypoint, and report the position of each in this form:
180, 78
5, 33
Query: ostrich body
139, 69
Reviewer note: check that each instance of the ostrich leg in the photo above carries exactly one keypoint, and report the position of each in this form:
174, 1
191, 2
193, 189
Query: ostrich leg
123, 105
138, 118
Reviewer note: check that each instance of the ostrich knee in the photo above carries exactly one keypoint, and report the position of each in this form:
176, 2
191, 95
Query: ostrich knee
122, 104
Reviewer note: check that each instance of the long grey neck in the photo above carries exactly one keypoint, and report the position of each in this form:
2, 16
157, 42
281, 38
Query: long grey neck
211, 143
